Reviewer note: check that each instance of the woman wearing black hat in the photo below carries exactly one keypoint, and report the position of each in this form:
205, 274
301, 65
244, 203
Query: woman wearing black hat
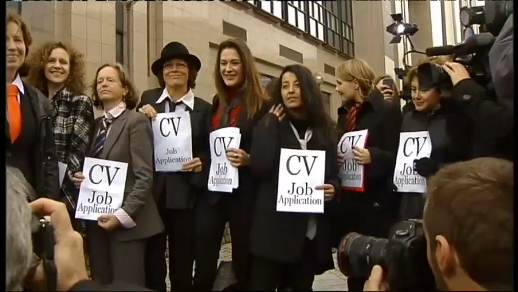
176, 192
239, 102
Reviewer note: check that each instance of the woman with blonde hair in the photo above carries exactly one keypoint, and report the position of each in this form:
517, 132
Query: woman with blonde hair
117, 241
58, 70
373, 211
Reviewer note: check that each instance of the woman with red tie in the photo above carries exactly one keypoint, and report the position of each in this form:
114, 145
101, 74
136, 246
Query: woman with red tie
29, 140
373, 211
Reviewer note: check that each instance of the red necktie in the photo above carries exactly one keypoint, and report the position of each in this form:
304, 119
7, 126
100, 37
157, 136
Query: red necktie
14, 111
350, 120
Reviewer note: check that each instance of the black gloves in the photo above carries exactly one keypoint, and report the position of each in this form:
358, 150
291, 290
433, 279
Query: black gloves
425, 166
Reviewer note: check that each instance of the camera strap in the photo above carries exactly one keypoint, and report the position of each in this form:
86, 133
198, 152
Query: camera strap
49, 266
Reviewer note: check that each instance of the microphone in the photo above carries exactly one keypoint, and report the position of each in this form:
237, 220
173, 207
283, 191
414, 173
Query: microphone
440, 51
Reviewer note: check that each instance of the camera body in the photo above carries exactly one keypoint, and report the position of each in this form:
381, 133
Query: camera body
402, 256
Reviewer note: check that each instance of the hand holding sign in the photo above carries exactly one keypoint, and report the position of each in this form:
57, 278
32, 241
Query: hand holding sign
108, 222
329, 191
193, 165
237, 157
149, 111
413, 147
361, 155
278, 111
78, 179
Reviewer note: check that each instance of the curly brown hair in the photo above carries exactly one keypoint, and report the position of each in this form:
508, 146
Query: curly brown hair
39, 58
131, 99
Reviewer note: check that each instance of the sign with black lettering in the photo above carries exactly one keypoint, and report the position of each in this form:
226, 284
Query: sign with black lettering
412, 146
351, 173
223, 177
172, 137
102, 190
300, 171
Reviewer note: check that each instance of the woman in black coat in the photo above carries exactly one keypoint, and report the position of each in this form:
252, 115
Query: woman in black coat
289, 248
373, 211
450, 133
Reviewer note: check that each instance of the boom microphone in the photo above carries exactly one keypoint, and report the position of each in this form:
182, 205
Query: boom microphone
440, 51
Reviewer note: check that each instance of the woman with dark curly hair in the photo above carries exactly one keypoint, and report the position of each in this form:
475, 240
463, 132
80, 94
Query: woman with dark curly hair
58, 71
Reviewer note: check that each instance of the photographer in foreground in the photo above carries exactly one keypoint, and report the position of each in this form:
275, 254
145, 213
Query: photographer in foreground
468, 224
25, 269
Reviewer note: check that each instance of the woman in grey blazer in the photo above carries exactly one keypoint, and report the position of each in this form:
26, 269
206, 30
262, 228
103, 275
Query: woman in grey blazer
117, 241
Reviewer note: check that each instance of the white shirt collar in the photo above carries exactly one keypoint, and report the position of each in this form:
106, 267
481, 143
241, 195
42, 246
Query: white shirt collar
18, 82
187, 99
116, 111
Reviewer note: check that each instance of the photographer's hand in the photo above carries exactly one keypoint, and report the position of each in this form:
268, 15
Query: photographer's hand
376, 281
69, 255
456, 71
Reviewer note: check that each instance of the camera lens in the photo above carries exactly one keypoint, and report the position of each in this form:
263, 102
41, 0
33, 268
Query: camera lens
357, 254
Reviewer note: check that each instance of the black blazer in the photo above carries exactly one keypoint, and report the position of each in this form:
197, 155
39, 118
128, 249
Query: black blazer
246, 126
42, 156
377, 204
182, 188
280, 236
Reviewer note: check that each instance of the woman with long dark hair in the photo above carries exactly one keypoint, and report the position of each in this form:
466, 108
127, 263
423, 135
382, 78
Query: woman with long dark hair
240, 103
288, 248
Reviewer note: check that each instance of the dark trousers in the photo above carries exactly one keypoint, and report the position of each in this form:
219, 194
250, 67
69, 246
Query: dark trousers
179, 234
267, 275
210, 221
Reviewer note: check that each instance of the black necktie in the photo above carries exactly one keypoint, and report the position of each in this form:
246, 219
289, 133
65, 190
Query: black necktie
101, 137
225, 119
173, 105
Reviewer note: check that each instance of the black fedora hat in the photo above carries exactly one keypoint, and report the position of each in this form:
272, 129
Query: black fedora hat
175, 50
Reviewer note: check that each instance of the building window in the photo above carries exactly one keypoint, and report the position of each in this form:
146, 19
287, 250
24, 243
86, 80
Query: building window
316, 20
326, 100
119, 30
297, 14
15, 6
272, 7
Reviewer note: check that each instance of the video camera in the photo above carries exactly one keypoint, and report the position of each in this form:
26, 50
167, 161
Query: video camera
402, 257
473, 52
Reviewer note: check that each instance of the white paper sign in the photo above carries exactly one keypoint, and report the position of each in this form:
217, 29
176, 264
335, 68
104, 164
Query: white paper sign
300, 171
223, 177
412, 146
102, 190
62, 168
351, 173
172, 137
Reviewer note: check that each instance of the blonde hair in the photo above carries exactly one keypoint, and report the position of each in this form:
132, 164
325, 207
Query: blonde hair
359, 70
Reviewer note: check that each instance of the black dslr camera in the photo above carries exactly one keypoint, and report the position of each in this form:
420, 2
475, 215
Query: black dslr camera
402, 256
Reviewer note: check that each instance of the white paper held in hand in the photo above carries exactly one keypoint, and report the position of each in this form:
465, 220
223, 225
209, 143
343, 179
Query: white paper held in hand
223, 177
352, 174
62, 168
172, 137
300, 171
412, 146
102, 190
